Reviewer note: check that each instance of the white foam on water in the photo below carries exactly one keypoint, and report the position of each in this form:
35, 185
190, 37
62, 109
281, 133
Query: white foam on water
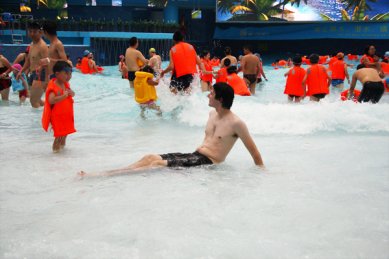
324, 193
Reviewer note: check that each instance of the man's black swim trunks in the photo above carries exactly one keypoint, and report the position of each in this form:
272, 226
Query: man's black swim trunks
371, 91
186, 160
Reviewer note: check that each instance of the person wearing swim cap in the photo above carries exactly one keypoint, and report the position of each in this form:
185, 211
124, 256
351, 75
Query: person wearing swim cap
134, 60
38, 51
21, 85
155, 61
222, 131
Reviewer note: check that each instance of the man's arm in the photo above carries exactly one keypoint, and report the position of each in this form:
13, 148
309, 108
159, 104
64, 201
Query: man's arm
346, 73
202, 67
244, 135
329, 79
142, 58
304, 83
242, 64
170, 67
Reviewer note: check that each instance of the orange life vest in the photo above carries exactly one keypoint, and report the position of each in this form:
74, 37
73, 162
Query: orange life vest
215, 62
238, 84
371, 60
222, 75
59, 115
294, 81
385, 67
344, 95
85, 69
352, 57
208, 67
282, 63
306, 61
317, 80
322, 59
338, 70
332, 61
184, 59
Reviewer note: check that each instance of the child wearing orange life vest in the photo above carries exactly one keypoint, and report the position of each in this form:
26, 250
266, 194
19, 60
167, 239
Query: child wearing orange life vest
206, 76
316, 80
144, 89
58, 109
237, 83
294, 88
339, 72
221, 75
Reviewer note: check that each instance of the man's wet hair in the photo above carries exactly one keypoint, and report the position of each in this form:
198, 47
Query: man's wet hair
227, 50
148, 69
297, 60
133, 41
50, 27
225, 94
360, 66
34, 25
204, 53
61, 66
177, 36
366, 51
227, 62
314, 58
231, 70
248, 47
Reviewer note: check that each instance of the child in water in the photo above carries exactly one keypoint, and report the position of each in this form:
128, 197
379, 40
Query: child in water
294, 82
21, 85
58, 109
144, 86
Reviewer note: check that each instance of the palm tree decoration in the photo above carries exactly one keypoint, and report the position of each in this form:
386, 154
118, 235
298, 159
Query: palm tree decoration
52, 4
250, 10
360, 6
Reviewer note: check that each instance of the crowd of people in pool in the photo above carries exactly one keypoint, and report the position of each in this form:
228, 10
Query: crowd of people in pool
49, 71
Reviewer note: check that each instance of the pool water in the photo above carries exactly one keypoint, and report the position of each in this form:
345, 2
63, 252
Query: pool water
324, 193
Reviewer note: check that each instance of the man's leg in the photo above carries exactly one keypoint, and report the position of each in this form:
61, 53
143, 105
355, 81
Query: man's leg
5, 94
36, 93
252, 88
147, 162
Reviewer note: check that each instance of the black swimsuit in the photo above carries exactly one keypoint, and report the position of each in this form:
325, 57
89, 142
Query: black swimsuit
371, 91
186, 160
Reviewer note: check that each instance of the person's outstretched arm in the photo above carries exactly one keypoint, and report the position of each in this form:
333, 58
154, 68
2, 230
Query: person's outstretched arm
244, 135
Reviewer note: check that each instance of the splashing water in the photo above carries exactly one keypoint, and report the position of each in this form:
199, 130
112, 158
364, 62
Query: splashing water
324, 193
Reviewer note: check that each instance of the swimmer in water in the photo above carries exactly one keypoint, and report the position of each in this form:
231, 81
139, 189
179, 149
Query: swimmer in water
221, 133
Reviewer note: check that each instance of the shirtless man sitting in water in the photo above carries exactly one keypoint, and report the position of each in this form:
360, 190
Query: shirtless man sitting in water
221, 132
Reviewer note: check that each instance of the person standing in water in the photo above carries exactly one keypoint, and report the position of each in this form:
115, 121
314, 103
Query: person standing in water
250, 65
339, 72
183, 61
221, 133
38, 51
373, 87
155, 61
56, 48
134, 60
316, 80
5, 81
233, 60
